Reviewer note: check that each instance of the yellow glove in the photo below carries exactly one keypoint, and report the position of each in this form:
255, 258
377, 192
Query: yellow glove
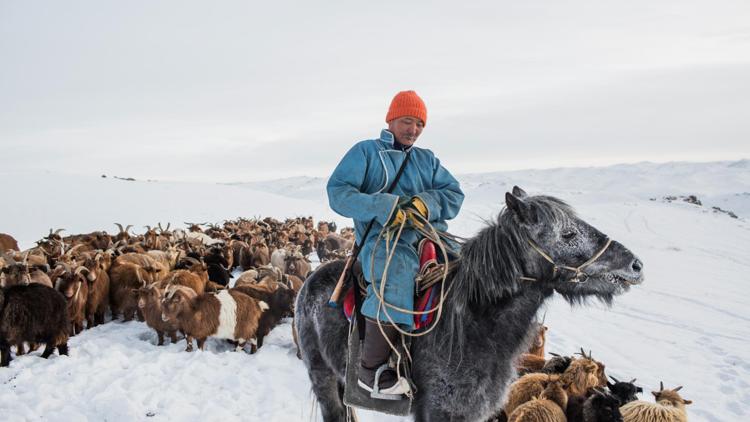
415, 204
398, 218
419, 205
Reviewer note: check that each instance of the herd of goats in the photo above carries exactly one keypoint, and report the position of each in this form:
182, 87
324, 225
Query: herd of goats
179, 281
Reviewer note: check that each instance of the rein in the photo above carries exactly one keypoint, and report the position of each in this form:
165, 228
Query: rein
580, 275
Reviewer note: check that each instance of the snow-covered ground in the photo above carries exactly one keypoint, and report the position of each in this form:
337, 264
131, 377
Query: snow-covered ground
688, 324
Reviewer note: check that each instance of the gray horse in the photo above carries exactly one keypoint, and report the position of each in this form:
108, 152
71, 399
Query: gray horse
462, 368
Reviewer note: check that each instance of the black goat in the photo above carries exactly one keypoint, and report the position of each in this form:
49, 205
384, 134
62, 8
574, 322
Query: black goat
36, 314
624, 391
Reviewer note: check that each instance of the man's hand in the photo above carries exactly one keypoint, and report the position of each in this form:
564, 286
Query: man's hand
405, 210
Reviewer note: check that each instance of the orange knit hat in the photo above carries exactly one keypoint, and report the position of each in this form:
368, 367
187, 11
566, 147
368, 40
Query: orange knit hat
407, 103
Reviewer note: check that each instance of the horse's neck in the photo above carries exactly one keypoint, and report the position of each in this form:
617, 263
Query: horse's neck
503, 327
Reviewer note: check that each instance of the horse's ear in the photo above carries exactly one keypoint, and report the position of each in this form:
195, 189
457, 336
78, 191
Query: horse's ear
519, 207
519, 192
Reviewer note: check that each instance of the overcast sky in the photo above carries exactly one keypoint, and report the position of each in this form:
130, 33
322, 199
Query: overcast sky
238, 90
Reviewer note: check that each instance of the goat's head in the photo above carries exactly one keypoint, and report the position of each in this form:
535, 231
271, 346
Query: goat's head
670, 397
176, 299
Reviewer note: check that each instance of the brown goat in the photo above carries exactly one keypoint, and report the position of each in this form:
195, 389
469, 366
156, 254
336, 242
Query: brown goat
72, 283
149, 300
20, 273
227, 314
97, 301
533, 360
185, 278
7, 242
297, 265
280, 303
124, 277
580, 376
548, 407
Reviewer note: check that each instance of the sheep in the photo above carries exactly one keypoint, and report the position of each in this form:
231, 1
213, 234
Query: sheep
35, 314
548, 407
228, 314
149, 301
669, 407
578, 378
73, 285
625, 392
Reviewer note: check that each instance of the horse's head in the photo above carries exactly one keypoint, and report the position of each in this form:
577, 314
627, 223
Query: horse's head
563, 250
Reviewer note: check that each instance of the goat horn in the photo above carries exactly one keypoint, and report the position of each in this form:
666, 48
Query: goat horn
661, 386
615, 379
128, 227
193, 260
677, 388
632, 381
138, 274
57, 231
120, 226
554, 354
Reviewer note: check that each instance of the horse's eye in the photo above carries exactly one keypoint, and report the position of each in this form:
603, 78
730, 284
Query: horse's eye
569, 234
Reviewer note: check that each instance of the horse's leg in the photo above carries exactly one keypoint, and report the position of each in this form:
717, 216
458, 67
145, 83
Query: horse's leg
326, 387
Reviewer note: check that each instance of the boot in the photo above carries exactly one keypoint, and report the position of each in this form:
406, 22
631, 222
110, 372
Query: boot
374, 363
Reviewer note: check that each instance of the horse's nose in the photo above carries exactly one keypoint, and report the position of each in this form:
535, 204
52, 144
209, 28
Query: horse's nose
637, 265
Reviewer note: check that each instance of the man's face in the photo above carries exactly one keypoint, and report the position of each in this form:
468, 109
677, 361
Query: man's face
406, 129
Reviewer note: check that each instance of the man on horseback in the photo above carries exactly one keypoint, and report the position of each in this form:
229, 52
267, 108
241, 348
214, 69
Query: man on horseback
358, 189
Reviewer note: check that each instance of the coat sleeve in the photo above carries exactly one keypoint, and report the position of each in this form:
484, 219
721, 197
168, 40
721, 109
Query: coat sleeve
345, 196
445, 198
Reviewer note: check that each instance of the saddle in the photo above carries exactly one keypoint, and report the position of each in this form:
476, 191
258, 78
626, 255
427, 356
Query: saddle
427, 285
427, 282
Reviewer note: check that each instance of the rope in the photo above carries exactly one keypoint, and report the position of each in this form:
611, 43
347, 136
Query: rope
430, 233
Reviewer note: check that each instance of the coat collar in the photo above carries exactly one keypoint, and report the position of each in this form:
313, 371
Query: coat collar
387, 137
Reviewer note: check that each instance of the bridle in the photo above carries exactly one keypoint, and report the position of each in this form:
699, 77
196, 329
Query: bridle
580, 275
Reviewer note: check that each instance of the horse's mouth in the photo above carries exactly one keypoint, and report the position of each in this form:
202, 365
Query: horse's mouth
622, 280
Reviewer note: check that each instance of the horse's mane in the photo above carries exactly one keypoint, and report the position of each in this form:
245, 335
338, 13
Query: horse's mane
491, 263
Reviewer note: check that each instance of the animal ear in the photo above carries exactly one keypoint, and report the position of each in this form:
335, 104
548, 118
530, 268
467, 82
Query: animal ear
519, 192
655, 393
522, 210
688, 401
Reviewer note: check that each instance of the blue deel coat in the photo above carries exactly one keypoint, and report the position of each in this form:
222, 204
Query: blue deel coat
357, 189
